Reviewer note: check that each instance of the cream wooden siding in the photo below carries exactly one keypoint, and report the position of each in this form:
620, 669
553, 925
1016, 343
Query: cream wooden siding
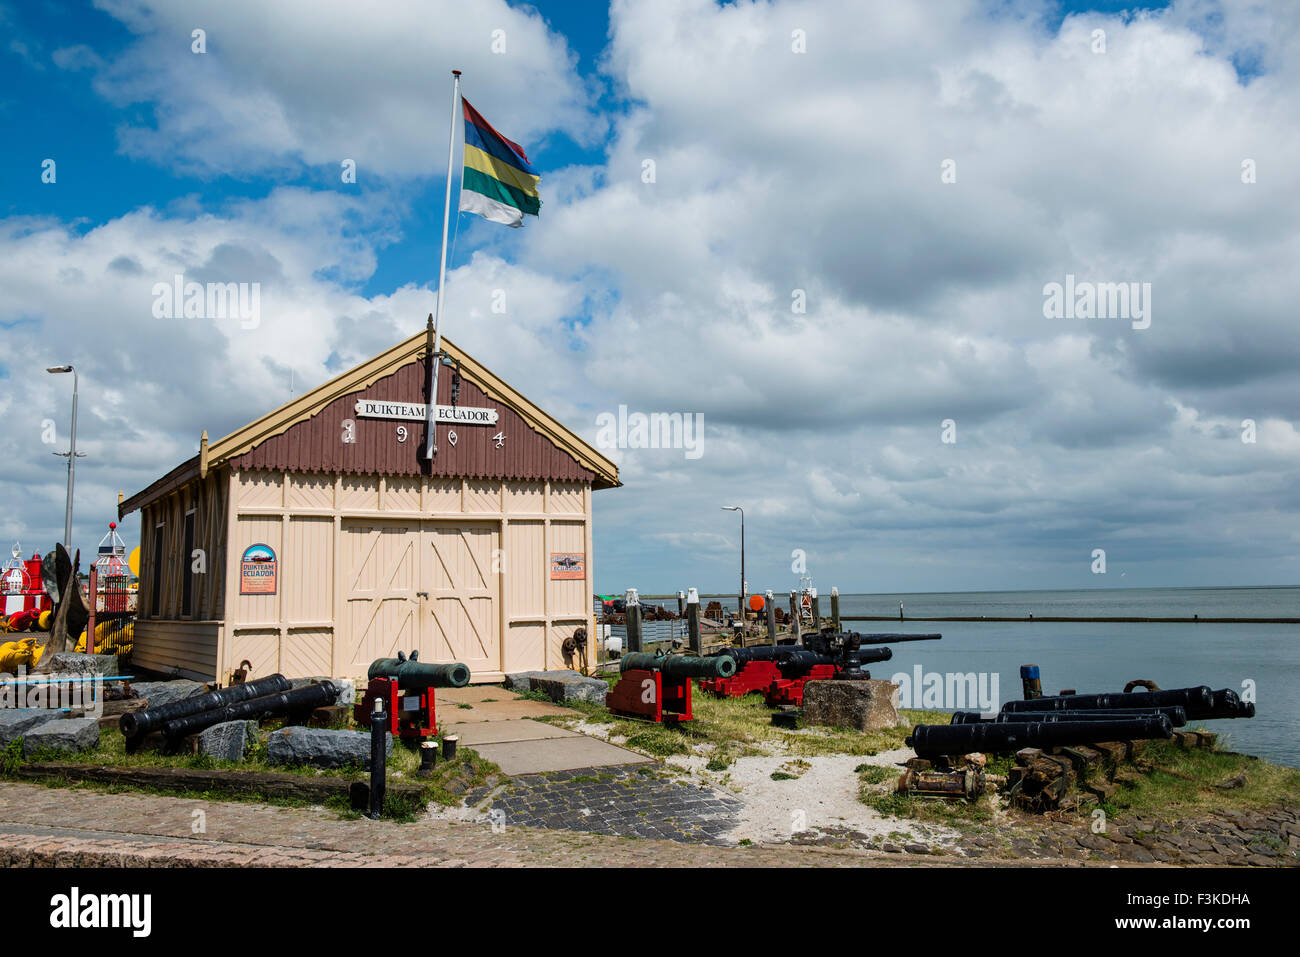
167, 643
185, 649
354, 551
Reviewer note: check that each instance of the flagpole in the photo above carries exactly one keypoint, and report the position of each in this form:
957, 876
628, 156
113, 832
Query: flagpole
431, 416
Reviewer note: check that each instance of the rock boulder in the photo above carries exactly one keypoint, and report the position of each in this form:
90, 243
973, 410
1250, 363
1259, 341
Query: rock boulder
227, 741
864, 705
320, 747
165, 692
562, 686
14, 723
65, 662
63, 734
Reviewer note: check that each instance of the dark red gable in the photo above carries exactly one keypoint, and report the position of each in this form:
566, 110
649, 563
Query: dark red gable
316, 445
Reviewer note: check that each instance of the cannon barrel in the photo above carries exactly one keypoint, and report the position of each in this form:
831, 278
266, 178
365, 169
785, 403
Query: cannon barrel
744, 656
799, 659
413, 675
888, 638
1196, 701
1175, 713
802, 660
136, 723
929, 740
680, 666
267, 706
1227, 704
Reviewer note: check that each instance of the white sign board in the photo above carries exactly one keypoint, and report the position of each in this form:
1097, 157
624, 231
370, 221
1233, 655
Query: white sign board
419, 412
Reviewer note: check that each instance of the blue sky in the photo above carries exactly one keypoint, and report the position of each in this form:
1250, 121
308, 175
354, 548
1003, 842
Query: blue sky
56, 112
777, 174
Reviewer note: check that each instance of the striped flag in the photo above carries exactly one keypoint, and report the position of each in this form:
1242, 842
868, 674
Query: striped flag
498, 183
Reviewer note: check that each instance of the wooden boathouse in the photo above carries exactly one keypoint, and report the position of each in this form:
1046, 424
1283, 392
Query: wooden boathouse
319, 538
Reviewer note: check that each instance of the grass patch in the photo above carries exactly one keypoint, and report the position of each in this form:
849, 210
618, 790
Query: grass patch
448, 783
451, 780
1176, 781
957, 814
875, 773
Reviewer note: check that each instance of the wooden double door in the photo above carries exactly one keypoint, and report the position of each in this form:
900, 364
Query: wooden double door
427, 585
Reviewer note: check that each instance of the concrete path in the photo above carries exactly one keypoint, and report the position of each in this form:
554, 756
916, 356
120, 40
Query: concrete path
498, 725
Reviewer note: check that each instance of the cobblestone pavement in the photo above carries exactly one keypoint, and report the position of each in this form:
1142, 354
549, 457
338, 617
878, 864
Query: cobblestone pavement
45, 826
1269, 838
636, 802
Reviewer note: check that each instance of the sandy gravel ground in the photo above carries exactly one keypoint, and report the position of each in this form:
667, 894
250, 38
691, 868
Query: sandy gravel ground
823, 795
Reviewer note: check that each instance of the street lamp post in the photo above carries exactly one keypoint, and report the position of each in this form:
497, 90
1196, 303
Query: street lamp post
71, 454
741, 603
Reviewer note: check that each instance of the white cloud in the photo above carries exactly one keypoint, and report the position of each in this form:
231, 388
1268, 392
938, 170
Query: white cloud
775, 172
298, 81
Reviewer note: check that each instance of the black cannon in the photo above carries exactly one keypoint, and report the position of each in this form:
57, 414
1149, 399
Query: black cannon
743, 656
415, 675
294, 701
680, 666
1200, 703
802, 660
932, 740
658, 687
893, 638
844, 650
133, 724
403, 687
1175, 713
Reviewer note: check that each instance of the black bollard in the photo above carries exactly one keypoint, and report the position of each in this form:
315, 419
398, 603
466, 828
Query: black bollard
378, 759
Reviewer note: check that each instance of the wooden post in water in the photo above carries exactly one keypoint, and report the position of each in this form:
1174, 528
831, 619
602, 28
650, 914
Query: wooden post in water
794, 615
693, 622
681, 603
835, 609
816, 610
771, 615
633, 621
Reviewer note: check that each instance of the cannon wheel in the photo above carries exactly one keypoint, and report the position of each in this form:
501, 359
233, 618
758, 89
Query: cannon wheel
1141, 683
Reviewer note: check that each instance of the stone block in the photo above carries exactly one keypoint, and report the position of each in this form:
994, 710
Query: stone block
64, 662
15, 722
865, 705
228, 741
521, 681
160, 693
562, 686
63, 734
320, 747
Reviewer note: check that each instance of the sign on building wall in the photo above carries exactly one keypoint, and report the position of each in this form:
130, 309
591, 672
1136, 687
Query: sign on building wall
568, 566
257, 570
415, 411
